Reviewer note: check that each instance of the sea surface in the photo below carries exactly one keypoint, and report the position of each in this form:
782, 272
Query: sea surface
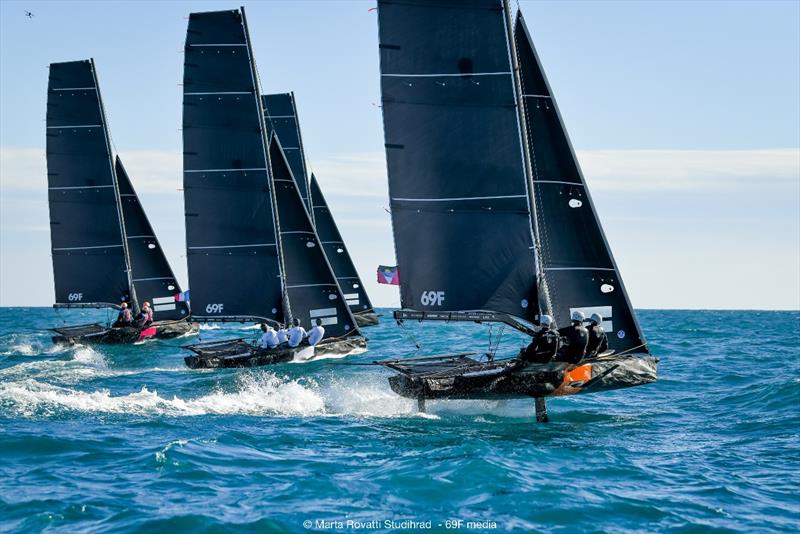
125, 438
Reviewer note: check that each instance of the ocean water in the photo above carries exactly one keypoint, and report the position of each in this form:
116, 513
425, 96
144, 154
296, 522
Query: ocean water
117, 439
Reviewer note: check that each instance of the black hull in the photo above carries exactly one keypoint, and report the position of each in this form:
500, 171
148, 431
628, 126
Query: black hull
238, 353
98, 334
366, 319
465, 378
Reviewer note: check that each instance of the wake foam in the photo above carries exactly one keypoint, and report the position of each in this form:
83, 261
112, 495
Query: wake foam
262, 394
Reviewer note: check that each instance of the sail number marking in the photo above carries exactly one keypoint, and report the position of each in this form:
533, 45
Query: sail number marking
432, 298
75, 297
214, 308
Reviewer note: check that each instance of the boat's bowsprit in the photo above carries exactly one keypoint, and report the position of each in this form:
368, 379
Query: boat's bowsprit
462, 377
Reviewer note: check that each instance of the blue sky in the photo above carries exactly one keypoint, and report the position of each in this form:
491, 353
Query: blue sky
685, 116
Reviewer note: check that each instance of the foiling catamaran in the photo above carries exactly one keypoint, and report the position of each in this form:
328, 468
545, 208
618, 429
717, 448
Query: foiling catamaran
253, 253
491, 215
281, 117
104, 249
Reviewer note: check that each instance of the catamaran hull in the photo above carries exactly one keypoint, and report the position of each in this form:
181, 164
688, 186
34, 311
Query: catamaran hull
98, 334
238, 353
553, 379
366, 319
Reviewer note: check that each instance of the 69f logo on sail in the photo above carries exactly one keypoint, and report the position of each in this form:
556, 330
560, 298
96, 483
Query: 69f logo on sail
432, 298
214, 308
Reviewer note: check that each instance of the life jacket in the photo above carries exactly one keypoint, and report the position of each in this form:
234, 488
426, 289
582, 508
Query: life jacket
598, 341
576, 338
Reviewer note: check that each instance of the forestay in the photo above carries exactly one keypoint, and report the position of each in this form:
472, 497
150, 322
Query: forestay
232, 244
153, 278
457, 181
89, 259
280, 114
311, 286
578, 265
337, 254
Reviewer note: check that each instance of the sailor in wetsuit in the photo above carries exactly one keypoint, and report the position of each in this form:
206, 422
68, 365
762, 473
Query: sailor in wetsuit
296, 334
544, 345
269, 339
316, 334
598, 340
575, 338
145, 317
124, 318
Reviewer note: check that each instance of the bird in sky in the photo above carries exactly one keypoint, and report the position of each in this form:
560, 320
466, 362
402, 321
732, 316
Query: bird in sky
29, 14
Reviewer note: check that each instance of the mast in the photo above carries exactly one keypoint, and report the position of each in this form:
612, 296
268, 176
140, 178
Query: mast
104, 118
523, 132
287, 310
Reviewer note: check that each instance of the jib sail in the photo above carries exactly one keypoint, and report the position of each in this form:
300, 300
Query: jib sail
153, 278
336, 251
577, 262
280, 113
457, 180
231, 230
90, 264
311, 286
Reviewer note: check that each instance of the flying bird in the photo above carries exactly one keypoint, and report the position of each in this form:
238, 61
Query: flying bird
29, 14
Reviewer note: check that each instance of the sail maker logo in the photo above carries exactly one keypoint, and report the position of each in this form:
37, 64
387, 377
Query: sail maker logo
432, 298
75, 297
214, 308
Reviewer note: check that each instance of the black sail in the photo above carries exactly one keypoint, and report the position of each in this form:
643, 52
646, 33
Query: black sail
579, 269
457, 180
311, 286
280, 114
337, 254
89, 258
153, 278
232, 246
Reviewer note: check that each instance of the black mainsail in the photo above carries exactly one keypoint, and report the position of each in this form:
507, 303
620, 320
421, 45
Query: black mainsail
491, 215
578, 266
91, 266
153, 278
338, 256
459, 191
231, 227
311, 286
280, 114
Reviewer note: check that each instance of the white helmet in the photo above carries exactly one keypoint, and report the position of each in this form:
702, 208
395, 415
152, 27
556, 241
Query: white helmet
597, 318
545, 320
578, 315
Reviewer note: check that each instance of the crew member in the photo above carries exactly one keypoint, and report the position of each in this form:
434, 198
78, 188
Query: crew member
283, 335
145, 316
317, 333
296, 333
575, 338
269, 339
544, 345
598, 340
124, 318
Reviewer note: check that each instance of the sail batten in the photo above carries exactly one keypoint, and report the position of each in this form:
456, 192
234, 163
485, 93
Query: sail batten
280, 114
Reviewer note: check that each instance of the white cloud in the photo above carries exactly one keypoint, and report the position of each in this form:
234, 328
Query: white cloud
364, 174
